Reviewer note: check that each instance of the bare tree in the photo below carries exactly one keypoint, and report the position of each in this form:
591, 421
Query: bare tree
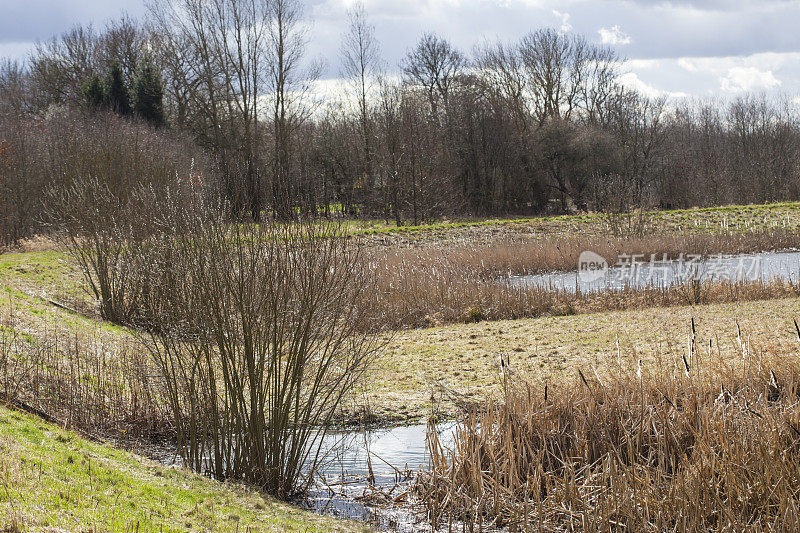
229, 44
565, 73
435, 65
361, 66
501, 74
290, 85
636, 122
59, 66
15, 90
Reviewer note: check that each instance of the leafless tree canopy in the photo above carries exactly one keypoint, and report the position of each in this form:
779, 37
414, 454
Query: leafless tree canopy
538, 125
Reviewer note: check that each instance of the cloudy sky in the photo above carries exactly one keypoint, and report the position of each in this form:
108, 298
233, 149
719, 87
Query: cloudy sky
680, 47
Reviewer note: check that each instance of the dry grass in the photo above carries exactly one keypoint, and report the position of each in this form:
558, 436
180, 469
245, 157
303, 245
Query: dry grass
520, 256
97, 382
434, 285
690, 442
438, 367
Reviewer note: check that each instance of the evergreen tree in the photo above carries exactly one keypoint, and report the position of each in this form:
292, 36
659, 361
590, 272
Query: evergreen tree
118, 99
93, 92
148, 94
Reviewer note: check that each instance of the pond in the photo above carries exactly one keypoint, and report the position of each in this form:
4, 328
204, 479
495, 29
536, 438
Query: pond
342, 486
594, 274
396, 455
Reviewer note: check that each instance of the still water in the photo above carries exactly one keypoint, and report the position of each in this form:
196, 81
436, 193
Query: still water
659, 272
393, 453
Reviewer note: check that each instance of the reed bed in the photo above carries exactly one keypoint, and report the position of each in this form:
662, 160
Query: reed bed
690, 443
523, 256
435, 296
420, 287
88, 381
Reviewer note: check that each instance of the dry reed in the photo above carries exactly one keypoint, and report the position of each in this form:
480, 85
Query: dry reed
436, 285
88, 381
691, 444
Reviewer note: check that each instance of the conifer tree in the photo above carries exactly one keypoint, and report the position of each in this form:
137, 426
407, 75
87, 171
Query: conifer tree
148, 94
117, 93
93, 92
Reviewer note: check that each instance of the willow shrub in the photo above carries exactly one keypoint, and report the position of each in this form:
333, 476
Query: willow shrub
259, 332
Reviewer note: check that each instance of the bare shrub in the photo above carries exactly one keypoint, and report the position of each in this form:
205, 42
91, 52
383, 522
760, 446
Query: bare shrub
259, 332
94, 224
42, 157
111, 238
118, 181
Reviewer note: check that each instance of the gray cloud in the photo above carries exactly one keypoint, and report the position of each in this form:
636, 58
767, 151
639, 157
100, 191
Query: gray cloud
714, 5
659, 31
32, 20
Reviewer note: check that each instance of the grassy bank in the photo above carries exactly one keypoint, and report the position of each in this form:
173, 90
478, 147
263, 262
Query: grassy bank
459, 362
51, 479
737, 218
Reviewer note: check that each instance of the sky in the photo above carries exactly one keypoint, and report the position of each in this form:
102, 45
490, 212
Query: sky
677, 48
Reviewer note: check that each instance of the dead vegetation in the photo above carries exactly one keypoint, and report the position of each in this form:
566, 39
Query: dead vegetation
99, 384
692, 442
437, 285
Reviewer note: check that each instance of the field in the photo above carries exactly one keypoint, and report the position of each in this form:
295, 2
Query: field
678, 221
442, 369
455, 357
504, 287
463, 358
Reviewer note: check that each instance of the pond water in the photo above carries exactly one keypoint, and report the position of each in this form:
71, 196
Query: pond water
595, 275
343, 488
396, 455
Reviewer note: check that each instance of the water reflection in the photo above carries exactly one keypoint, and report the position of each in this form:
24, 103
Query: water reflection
343, 485
659, 272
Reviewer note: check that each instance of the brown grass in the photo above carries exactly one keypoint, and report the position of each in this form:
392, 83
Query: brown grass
435, 285
92, 381
691, 442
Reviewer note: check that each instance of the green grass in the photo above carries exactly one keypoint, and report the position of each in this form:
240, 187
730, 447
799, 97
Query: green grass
42, 272
732, 218
53, 480
30, 281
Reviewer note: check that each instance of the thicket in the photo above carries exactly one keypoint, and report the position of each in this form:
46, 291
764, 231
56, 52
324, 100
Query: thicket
539, 125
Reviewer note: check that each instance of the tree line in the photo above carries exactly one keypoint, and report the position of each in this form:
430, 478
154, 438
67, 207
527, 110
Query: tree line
539, 125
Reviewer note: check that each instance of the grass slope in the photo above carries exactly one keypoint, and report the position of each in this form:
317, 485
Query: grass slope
696, 220
52, 480
464, 357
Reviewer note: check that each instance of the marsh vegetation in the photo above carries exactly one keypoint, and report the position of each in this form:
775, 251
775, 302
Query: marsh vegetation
691, 441
236, 266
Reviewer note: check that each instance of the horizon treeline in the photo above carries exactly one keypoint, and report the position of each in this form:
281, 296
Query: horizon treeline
536, 126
